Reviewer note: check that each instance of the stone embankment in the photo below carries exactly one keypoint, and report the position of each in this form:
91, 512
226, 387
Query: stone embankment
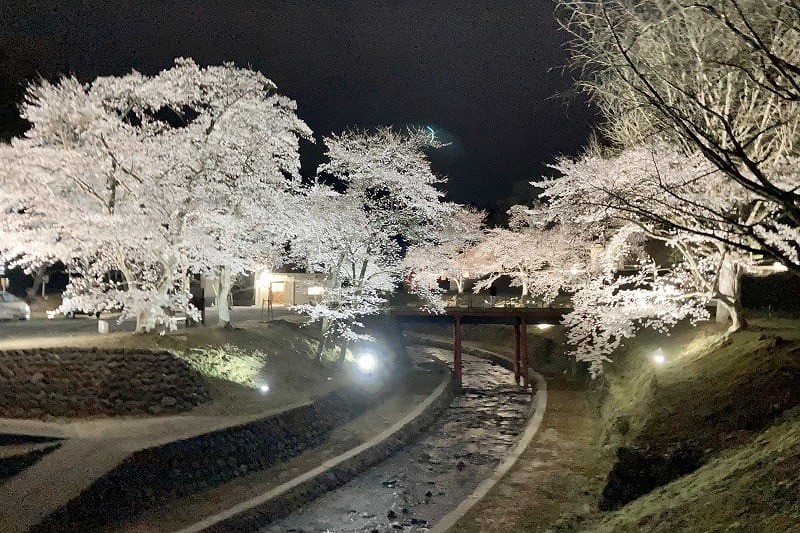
78, 382
152, 476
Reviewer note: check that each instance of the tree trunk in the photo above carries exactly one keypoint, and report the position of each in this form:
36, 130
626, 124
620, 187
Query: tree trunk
142, 320
342, 354
223, 291
733, 312
323, 339
729, 306
38, 279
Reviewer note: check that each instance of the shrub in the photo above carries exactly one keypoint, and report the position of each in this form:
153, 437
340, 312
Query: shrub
228, 362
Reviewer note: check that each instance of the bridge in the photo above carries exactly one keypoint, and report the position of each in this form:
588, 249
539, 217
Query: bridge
519, 317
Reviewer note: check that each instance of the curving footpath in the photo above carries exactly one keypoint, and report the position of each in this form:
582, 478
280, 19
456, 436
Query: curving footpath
90, 449
108, 463
282, 500
531, 429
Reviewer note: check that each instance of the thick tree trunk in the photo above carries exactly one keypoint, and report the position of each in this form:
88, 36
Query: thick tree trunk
733, 313
729, 307
38, 279
223, 291
142, 322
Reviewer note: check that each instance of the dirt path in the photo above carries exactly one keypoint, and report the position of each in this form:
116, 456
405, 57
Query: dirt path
555, 476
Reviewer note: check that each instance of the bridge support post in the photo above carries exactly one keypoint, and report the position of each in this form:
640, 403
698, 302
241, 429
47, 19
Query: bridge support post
517, 352
526, 381
457, 350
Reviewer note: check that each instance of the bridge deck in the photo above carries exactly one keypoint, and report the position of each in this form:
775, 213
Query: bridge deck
492, 315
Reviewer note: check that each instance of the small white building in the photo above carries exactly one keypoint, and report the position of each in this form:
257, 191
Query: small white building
287, 288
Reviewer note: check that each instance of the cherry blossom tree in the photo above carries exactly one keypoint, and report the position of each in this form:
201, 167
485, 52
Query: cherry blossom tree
717, 78
661, 221
683, 202
389, 199
540, 260
154, 178
610, 306
446, 256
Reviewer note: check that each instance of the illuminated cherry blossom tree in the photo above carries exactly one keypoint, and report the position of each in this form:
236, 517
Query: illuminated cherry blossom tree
611, 304
661, 221
683, 202
719, 78
154, 178
541, 260
446, 256
389, 199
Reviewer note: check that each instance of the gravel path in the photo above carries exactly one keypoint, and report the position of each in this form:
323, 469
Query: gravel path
424, 481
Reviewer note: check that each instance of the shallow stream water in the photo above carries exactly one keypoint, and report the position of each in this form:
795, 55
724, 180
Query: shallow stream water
421, 483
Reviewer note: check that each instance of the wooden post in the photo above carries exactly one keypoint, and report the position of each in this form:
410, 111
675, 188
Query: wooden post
517, 352
457, 349
524, 338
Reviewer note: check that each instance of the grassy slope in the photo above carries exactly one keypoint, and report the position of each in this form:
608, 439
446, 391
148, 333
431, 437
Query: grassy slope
736, 400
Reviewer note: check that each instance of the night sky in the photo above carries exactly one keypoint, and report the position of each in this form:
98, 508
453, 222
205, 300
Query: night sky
488, 75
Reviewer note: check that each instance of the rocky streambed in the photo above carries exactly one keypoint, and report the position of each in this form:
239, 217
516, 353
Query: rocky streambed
417, 486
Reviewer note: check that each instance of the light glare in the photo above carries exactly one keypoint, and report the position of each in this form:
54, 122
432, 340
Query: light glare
366, 362
658, 357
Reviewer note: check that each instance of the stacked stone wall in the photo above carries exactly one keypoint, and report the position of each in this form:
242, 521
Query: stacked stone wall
152, 476
86, 382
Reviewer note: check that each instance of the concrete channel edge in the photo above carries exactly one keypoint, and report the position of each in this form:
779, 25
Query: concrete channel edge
293, 494
531, 429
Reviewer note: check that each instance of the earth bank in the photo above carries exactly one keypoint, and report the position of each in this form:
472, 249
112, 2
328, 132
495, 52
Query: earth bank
710, 441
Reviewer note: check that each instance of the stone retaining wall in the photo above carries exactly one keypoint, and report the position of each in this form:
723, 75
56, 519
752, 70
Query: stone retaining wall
152, 476
80, 382
300, 495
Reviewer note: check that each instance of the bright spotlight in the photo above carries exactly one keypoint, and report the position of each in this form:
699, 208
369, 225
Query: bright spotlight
544, 327
264, 389
658, 357
366, 362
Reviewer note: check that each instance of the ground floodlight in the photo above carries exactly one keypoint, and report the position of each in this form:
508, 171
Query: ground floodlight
264, 388
544, 327
658, 357
366, 362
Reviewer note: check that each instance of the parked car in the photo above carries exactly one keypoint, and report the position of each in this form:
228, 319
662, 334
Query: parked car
12, 308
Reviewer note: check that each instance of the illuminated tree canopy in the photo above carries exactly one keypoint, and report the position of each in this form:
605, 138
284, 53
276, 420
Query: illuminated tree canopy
720, 78
153, 178
356, 237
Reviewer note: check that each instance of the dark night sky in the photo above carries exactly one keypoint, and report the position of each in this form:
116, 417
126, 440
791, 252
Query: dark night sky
487, 74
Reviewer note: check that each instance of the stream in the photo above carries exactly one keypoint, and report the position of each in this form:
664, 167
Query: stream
421, 483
